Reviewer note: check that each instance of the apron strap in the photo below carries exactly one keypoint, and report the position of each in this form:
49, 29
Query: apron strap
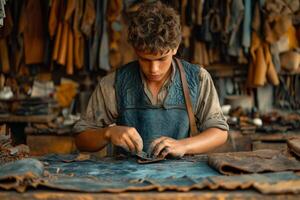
193, 128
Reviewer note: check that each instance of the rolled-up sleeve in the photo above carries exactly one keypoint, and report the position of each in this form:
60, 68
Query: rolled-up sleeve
208, 109
101, 109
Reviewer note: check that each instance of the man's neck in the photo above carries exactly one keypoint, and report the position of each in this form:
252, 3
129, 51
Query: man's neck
155, 86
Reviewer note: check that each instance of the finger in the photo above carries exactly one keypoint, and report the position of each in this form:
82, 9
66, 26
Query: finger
136, 139
129, 143
124, 146
165, 152
159, 147
154, 144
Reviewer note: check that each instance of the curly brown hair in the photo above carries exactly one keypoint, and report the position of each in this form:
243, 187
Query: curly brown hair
154, 28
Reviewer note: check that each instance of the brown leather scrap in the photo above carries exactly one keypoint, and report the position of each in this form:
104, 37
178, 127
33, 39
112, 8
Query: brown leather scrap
252, 162
144, 158
294, 146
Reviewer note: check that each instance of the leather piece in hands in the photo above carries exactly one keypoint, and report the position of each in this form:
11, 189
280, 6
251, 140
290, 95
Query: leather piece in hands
144, 158
266, 160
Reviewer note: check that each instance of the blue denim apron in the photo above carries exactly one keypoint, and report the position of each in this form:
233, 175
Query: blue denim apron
153, 121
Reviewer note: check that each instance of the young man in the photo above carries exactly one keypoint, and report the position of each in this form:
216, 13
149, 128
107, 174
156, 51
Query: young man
141, 106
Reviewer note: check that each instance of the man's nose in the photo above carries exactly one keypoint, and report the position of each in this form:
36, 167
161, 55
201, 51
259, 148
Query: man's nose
154, 67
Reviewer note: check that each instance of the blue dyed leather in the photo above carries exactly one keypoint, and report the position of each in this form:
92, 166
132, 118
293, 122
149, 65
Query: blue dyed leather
153, 121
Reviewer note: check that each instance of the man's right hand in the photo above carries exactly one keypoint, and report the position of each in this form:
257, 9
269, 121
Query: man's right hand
126, 137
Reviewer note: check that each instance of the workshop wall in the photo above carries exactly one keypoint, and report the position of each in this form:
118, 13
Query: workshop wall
83, 40
59, 49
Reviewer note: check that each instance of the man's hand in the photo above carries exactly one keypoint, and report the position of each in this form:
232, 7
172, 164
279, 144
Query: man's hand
126, 137
164, 146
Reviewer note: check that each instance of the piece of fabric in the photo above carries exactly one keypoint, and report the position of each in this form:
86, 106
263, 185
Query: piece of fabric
102, 108
246, 41
104, 45
169, 119
261, 67
88, 18
95, 39
4, 56
274, 50
278, 18
9, 24
115, 175
235, 29
207, 35
78, 36
2, 12
53, 17
252, 162
34, 34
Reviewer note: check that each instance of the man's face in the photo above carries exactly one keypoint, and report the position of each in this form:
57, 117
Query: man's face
155, 67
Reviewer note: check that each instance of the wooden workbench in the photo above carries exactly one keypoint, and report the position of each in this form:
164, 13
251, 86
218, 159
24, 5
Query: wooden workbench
205, 194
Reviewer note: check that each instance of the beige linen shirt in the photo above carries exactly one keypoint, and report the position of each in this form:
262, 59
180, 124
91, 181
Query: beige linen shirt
102, 107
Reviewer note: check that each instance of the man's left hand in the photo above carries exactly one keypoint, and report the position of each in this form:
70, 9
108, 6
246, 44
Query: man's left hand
164, 146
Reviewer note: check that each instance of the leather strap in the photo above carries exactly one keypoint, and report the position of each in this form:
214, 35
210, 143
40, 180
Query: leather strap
187, 98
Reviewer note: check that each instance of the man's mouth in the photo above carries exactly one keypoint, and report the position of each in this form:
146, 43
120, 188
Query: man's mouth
154, 77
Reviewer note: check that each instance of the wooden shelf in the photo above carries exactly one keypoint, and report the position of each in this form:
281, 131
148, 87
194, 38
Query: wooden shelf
27, 119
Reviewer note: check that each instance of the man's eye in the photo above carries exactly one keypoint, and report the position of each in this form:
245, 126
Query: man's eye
143, 59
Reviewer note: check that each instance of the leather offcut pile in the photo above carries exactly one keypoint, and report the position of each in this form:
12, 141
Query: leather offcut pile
8, 153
